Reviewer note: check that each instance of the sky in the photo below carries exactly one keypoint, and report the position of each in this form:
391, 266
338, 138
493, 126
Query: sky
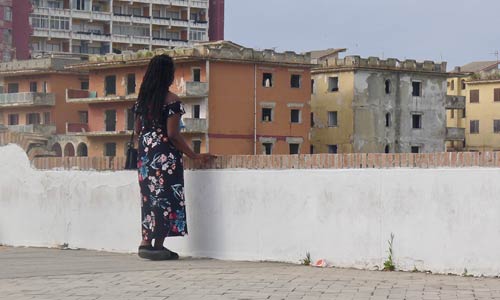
455, 31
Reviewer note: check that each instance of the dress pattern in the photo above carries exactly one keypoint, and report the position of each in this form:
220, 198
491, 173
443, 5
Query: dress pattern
161, 179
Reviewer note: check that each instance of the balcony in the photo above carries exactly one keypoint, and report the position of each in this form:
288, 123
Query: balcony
51, 33
199, 24
129, 39
169, 42
455, 134
81, 96
34, 128
183, 3
131, 19
170, 22
455, 102
195, 125
27, 99
72, 128
194, 90
91, 36
57, 12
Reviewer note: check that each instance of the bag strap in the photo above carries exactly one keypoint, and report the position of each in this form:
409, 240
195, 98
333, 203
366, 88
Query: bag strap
133, 130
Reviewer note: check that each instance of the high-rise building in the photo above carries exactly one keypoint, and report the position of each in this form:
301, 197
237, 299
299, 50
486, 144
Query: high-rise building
105, 26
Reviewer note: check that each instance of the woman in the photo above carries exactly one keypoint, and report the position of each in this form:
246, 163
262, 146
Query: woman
161, 146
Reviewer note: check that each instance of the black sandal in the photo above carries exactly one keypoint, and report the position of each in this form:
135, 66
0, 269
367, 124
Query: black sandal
148, 252
172, 255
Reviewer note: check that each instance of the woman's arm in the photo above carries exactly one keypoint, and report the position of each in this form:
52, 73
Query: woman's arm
176, 138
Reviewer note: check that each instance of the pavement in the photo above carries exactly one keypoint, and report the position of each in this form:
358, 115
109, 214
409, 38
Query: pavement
34, 273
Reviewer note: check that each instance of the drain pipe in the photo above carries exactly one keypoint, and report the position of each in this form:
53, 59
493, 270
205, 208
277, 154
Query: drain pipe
255, 110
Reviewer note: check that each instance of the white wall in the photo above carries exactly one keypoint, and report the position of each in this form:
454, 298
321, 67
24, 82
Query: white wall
443, 220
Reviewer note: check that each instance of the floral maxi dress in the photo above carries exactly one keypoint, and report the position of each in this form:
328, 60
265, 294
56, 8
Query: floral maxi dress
161, 179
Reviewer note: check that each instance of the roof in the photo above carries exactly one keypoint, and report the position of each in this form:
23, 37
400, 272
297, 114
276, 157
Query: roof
36, 66
478, 66
315, 54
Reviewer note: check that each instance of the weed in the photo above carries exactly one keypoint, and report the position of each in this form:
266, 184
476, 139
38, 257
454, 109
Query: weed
389, 263
307, 260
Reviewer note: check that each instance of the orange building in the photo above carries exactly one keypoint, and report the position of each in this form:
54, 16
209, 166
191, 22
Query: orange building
237, 100
33, 98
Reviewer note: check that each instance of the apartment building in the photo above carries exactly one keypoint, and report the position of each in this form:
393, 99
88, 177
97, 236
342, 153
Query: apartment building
371, 105
85, 27
479, 83
33, 98
237, 100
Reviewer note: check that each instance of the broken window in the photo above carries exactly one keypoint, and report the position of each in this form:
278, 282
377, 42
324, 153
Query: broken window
33, 87
267, 80
474, 126
294, 148
130, 84
387, 120
110, 149
332, 119
452, 114
332, 149
313, 87
387, 86
196, 74
311, 149
452, 85
312, 120
267, 114
84, 85
464, 86
196, 111
333, 84
110, 120
417, 88
387, 149
197, 146
295, 116
496, 126
295, 81
13, 119
13, 88
268, 148
130, 119
415, 149
110, 85
474, 96
33, 118
416, 121
463, 113
46, 118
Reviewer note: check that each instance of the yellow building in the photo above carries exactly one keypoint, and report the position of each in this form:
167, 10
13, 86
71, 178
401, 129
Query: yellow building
371, 105
479, 83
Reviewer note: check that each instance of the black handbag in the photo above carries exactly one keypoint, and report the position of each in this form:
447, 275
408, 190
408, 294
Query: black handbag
131, 161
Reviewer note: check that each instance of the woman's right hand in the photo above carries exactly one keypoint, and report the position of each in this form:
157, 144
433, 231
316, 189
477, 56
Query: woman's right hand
205, 157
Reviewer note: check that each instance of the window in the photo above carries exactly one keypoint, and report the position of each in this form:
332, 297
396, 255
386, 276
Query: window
7, 13
387, 86
267, 114
496, 126
464, 86
452, 85
295, 81
267, 80
311, 149
333, 84
130, 84
463, 113
44, 87
313, 86
415, 149
46, 118
197, 146
496, 95
130, 119
110, 149
136, 12
268, 148
33, 87
332, 149
197, 35
14, 119
388, 121
13, 88
84, 85
416, 88
387, 149
33, 118
312, 120
196, 111
474, 126
452, 114
84, 117
295, 116
416, 121
332, 119
110, 120
110, 85
196, 74
294, 148
474, 96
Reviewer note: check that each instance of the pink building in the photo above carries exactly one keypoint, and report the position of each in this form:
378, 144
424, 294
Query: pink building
15, 29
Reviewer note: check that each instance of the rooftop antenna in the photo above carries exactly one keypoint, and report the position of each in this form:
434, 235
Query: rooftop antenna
497, 54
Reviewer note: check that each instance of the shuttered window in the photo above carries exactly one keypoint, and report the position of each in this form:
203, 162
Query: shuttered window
474, 96
496, 95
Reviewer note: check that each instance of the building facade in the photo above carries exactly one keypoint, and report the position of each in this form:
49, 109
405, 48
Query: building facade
33, 98
85, 27
380, 106
237, 100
